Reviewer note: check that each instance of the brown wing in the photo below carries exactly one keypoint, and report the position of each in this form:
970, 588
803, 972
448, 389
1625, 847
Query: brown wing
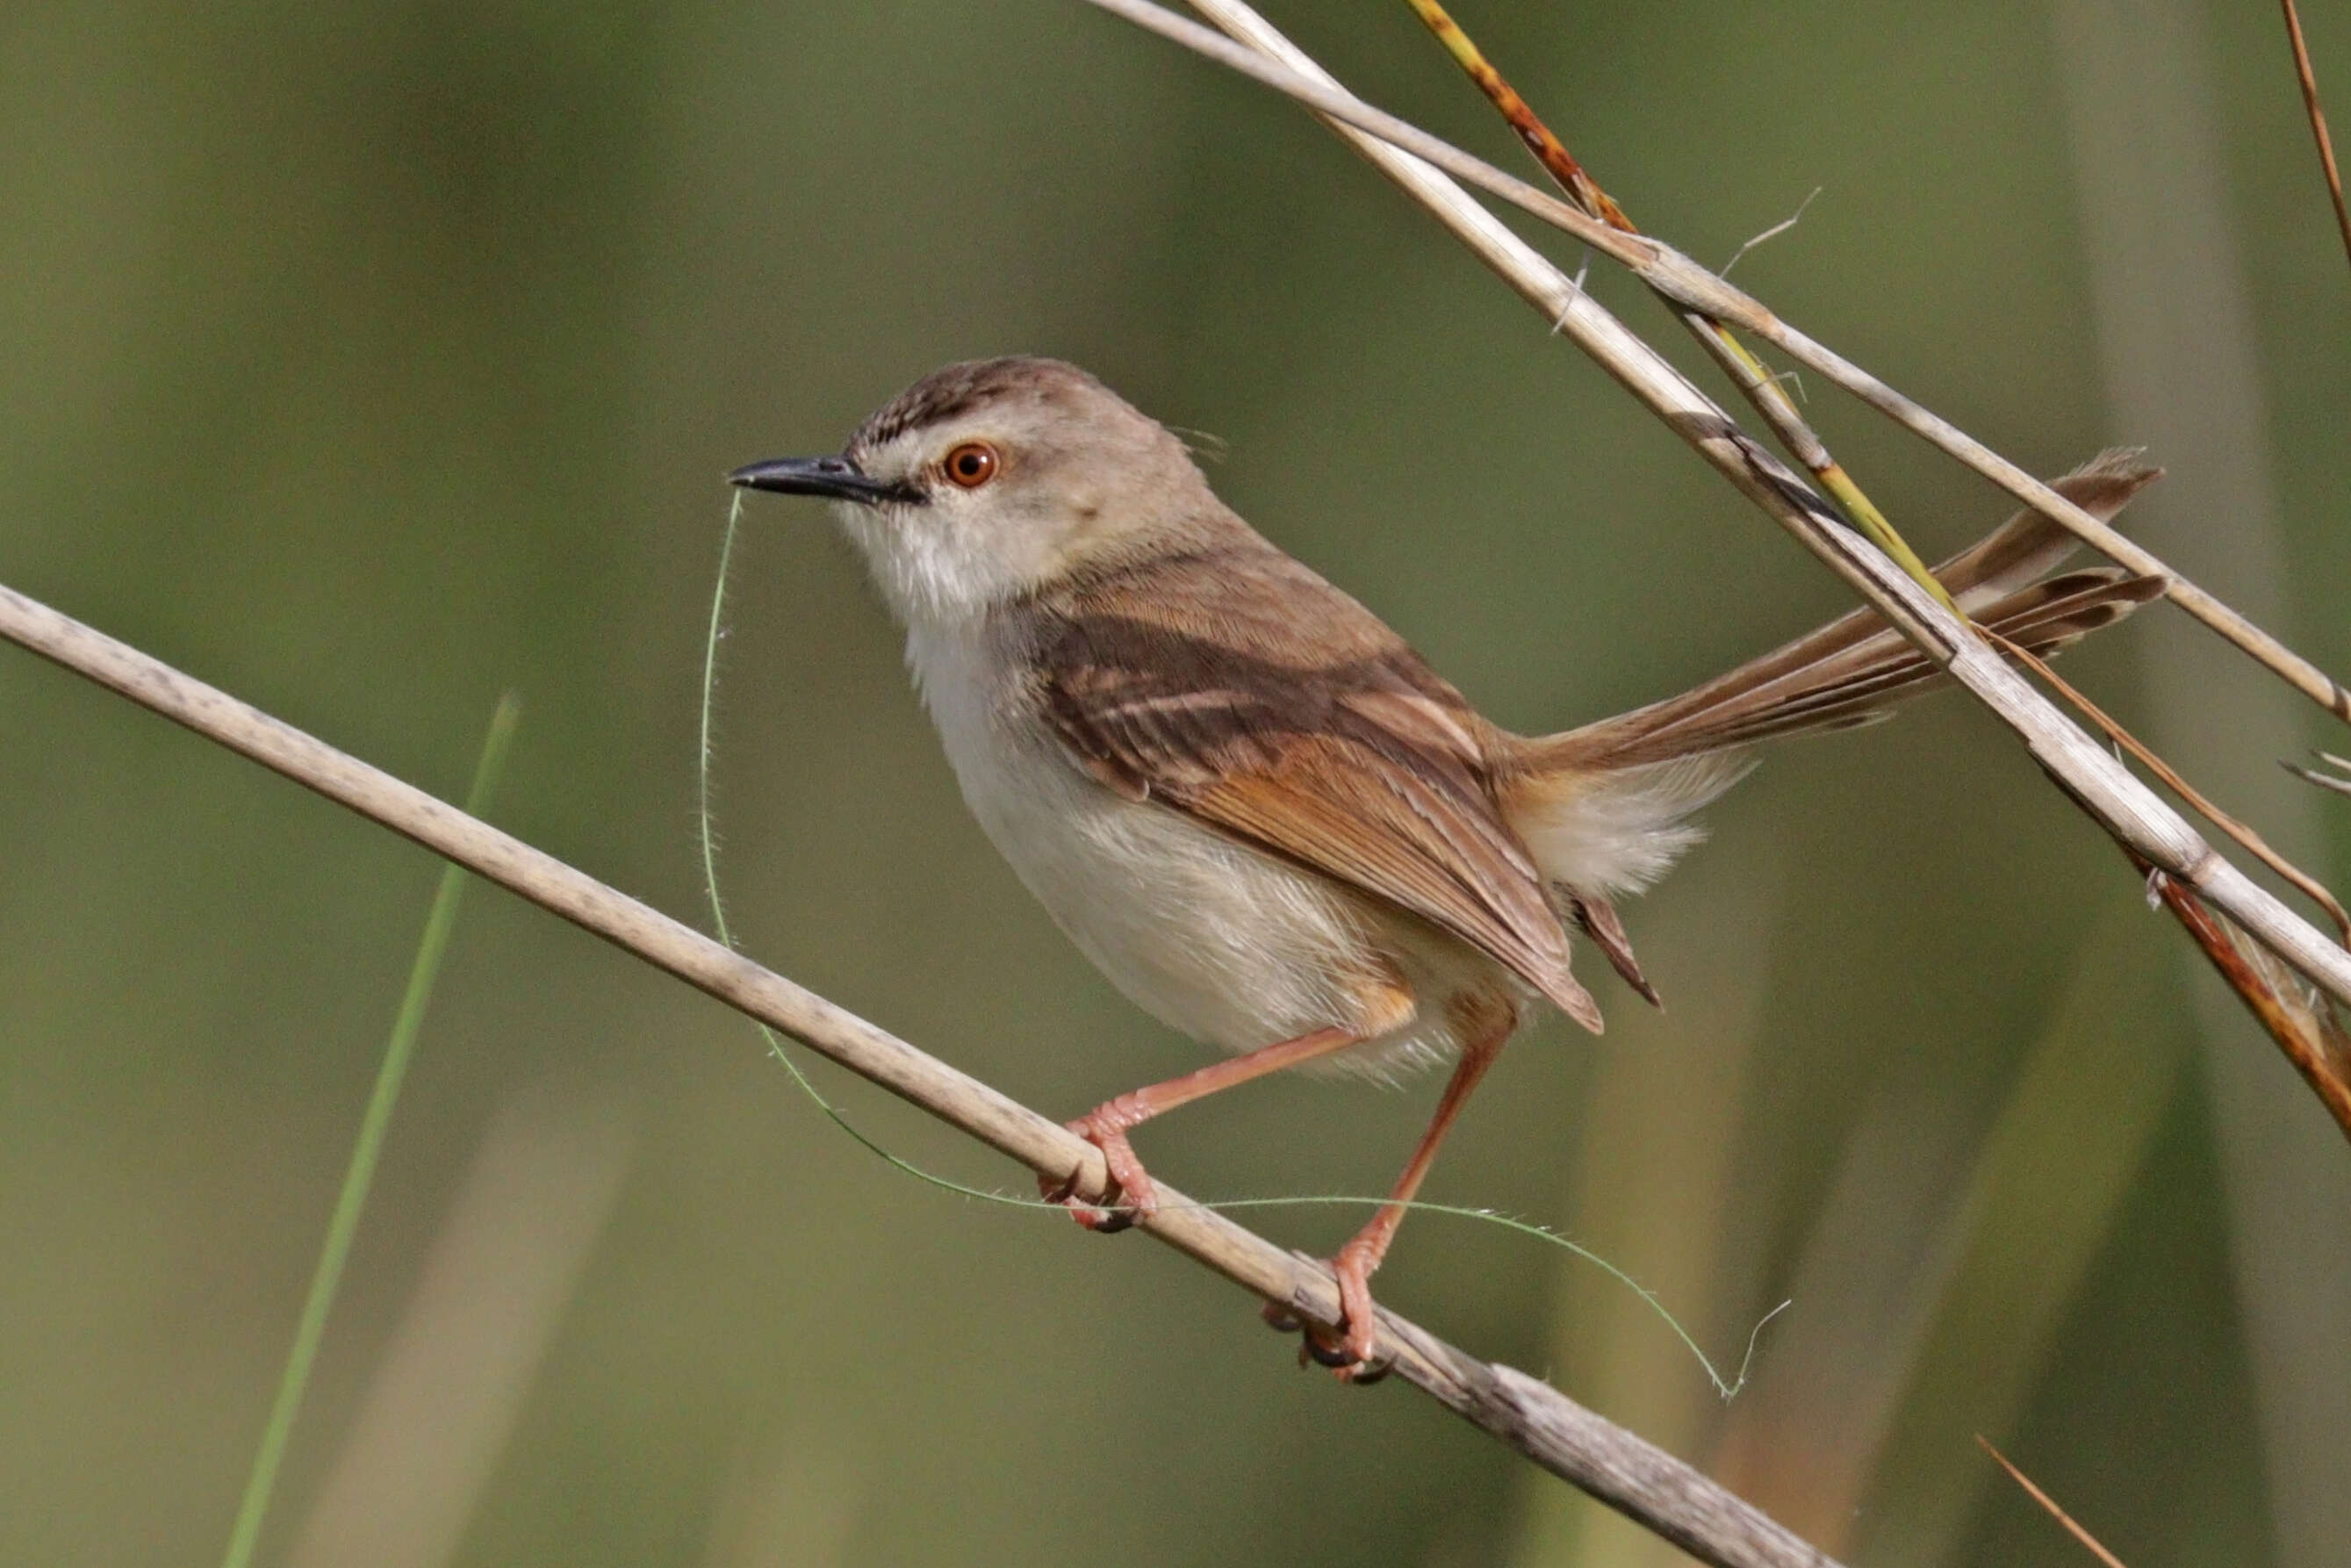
1236, 685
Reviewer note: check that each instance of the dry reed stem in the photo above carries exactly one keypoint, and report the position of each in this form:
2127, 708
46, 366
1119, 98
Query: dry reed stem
2049, 1504
2309, 82
1634, 1477
1685, 282
2130, 812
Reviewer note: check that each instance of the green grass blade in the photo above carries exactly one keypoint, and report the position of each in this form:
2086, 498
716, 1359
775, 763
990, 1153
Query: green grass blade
365, 1152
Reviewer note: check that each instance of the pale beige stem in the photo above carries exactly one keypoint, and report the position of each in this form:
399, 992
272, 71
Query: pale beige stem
1619, 1468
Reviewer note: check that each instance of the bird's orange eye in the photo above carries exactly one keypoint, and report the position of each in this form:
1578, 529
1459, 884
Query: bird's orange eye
972, 465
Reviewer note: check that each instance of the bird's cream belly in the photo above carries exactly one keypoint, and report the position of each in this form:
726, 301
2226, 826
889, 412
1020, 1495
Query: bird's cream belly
1215, 938
1231, 945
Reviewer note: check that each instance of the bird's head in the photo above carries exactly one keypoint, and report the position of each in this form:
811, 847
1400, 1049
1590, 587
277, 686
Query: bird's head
988, 481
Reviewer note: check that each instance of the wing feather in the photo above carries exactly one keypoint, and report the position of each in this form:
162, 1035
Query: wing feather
1364, 767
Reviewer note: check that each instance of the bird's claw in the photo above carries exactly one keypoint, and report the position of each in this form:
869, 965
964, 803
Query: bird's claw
1130, 1195
1347, 1350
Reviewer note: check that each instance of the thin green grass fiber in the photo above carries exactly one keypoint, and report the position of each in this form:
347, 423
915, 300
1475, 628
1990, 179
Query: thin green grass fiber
1728, 1388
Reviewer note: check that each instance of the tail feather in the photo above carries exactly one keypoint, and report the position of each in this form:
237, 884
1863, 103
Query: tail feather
1861, 685
1607, 809
1848, 671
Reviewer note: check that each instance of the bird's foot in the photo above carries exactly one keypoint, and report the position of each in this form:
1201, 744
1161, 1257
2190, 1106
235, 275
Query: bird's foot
1347, 1349
1131, 1194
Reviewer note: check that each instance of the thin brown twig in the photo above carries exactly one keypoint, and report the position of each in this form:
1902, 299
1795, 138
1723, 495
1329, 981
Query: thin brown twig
2049, 1503
2254, 844
2317, 122
1548, 149
2299, 1025
1619, 1468
1684, 282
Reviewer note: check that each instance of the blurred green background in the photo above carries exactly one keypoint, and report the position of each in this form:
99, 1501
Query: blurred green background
371, 359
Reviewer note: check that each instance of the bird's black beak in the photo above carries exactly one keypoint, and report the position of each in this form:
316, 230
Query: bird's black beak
836, 478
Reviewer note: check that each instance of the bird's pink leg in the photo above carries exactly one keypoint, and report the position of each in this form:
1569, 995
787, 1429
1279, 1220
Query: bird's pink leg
1350, 1350
1106, 1126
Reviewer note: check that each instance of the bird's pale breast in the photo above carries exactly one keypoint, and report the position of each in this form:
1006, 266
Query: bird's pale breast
1222, 941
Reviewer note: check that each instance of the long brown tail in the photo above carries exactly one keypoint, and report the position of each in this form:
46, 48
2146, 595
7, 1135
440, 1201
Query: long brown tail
1852, 670
1607, 809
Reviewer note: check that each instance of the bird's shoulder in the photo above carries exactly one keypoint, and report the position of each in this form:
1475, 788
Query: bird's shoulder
1219, 658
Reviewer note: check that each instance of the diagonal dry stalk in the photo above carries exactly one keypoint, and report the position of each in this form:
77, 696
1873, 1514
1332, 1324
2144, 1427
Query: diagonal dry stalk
1684, 282
1640, 1481
2137, 818
2309, 82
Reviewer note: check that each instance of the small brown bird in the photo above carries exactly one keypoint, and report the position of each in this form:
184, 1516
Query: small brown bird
1256, 810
